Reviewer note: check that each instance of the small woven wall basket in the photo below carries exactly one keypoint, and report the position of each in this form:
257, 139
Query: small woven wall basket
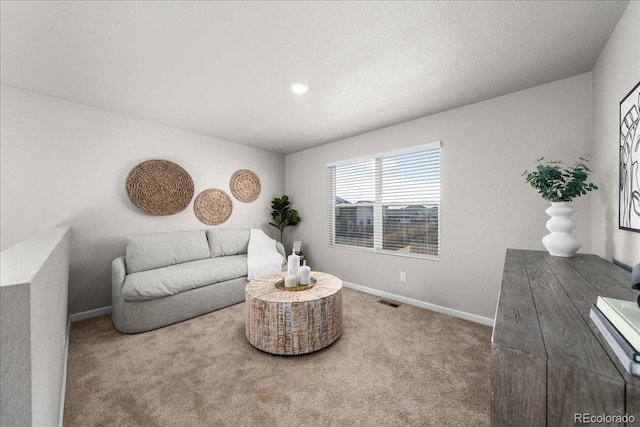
159, 187
245, 185
213, 206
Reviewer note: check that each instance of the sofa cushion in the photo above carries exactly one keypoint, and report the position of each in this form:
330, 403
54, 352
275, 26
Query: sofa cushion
228, 241
148, 251
174, 279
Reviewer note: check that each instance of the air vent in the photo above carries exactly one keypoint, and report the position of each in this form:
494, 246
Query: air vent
389, 303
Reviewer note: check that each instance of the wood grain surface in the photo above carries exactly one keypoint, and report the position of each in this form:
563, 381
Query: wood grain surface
543, 335
522, 388
293, 322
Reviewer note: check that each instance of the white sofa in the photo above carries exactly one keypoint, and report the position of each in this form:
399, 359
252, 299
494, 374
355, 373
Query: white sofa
166, 278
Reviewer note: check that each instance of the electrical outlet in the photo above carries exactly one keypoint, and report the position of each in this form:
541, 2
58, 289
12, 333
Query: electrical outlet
403, 276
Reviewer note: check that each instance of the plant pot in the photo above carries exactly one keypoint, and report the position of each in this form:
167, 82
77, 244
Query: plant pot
560, 242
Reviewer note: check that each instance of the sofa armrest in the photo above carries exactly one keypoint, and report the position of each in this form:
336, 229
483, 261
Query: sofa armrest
118, 271
118, 274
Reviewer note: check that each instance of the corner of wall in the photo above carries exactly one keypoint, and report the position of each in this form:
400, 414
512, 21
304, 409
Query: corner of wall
615, 73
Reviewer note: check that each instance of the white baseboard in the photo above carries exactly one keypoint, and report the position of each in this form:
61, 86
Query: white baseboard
426, 305
433, 307
89, 314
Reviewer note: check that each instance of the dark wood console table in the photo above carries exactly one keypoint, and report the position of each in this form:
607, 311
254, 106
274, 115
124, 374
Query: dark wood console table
549, 361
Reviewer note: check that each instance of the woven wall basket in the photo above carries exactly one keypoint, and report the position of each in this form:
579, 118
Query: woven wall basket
213, 206
245, 185
159, 187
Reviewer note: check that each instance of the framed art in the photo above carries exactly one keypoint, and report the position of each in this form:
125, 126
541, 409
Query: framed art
629, 209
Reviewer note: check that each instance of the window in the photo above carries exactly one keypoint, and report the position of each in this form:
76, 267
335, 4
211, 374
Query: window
388, 203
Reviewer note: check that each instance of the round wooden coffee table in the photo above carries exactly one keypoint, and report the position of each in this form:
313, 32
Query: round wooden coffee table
281, 321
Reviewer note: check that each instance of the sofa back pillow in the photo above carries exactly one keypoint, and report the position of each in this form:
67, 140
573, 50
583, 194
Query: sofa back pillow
228, 241
149, 251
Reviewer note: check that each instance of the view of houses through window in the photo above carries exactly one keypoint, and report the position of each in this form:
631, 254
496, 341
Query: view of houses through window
388, 203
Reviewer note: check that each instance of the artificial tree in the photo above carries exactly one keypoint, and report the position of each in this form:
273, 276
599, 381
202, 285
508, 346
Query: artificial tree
283, 216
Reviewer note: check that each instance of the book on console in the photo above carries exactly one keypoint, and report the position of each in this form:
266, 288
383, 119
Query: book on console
629, 364
631, 352
624, 315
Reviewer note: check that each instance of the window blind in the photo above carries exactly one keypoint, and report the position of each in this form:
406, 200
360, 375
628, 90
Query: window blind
387, 203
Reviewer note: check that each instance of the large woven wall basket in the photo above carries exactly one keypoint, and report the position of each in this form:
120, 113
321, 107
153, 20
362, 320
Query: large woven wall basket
213, 206
159, 187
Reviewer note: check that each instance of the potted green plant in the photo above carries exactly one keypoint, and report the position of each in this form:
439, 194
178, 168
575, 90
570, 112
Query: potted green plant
283, 216
560, 185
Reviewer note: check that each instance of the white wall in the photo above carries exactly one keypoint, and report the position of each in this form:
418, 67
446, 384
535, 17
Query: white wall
65, 164
34, 279
486, 205
614, 75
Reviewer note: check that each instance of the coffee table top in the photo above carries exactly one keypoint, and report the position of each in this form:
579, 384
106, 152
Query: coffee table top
264, 288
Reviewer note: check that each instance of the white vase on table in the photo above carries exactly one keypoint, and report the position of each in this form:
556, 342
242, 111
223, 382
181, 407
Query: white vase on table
560, 242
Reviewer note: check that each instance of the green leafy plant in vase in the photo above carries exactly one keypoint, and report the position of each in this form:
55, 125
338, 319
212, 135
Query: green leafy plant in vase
559, 185
283, 216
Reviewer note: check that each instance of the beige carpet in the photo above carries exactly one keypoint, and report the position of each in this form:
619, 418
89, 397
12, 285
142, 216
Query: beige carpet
391, 366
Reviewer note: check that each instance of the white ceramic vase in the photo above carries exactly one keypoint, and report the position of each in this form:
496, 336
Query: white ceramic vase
560, 242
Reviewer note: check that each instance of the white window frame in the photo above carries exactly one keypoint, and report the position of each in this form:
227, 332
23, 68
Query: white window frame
377, 210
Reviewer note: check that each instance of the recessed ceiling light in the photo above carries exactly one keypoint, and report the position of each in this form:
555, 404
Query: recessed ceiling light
298, 87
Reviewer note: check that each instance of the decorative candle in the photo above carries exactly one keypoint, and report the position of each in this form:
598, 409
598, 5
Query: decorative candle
293, 264
304, 274
290, 281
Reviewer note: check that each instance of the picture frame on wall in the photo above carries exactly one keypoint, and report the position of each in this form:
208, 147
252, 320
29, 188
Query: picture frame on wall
629, 147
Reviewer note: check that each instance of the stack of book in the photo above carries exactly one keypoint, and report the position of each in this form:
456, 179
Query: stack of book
619, 324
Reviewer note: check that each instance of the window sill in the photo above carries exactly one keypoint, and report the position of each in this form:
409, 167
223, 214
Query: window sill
387, 252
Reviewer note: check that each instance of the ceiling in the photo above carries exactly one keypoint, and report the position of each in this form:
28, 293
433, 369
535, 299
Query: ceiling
222, 69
